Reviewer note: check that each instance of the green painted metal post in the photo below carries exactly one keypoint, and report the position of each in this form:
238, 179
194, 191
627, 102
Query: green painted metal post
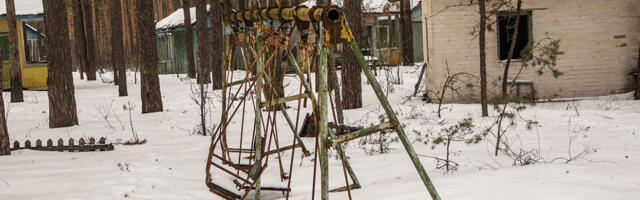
343, 157
223, 120
305, 84
258, 116
394, 119
323, 124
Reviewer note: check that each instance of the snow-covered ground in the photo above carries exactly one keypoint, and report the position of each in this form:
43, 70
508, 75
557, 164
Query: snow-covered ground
171, 165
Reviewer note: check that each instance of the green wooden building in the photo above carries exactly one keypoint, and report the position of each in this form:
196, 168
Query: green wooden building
171, 42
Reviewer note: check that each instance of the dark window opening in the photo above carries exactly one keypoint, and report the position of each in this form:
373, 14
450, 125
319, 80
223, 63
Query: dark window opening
506, 26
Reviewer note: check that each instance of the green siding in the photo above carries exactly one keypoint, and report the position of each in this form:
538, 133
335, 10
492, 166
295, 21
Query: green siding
418, 55
173, 60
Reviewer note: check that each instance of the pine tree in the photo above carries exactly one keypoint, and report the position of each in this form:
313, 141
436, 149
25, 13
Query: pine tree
351, 79
483, 58
148, 55
203, 42
117, 47
80, 38
188, 34
62, 101
638, 78
216, 44
16, 72
407, 32
87, 10
4, 134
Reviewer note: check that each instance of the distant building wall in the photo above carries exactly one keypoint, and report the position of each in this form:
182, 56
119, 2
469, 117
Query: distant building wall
598, 49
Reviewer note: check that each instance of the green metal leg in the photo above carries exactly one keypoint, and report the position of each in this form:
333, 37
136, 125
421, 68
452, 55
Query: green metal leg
305, 84
258, 117
322, 122
394, 119
343, 157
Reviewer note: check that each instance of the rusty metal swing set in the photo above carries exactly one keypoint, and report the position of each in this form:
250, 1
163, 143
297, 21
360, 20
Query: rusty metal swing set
262, 37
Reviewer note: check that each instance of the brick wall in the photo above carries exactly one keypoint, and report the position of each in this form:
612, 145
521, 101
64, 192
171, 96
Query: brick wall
599, 44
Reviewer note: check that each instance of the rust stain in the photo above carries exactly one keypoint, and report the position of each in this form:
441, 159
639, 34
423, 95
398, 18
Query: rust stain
619, 36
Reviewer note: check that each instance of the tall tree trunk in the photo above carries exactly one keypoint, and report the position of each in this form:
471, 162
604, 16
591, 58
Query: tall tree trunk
483, 58
638, 78
81, 40
150, 82
407, 32
512, 48
216, 44
62, 101
132, 46
188, 34
16, 72
202, 33
4, 133
351, 78
117, 47
90, 40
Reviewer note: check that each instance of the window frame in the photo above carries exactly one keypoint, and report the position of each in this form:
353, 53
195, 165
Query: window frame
41, 37
528, 13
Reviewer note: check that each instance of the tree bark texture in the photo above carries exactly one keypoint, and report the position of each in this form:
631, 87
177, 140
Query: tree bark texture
407, 32
16, 72
216, 44
483, 58
514, 39
202, 33
4, 133
62, 101
90, 40
188, 34
638, 78
79, 33
117, 47
150, 82
351, 79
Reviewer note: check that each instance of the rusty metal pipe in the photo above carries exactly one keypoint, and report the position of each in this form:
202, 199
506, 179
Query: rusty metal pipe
302, 13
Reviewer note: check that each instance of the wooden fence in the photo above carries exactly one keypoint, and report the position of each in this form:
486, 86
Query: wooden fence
71, 146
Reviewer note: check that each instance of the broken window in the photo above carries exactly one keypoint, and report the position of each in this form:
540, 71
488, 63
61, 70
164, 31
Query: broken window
34, 46
506, 25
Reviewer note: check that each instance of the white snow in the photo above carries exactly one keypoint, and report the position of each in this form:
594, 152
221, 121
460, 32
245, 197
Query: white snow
23, 7
172, 163
176, 19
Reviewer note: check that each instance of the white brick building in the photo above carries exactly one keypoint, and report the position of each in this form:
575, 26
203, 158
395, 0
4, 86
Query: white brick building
598, 49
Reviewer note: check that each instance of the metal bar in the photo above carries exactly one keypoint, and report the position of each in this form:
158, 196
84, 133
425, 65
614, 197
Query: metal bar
394, 119
258, 115
305, 151
280, 149
223, 118
323, 128
305, 83
237, 150
347, 164
361, 133
271, 189
302, 13
283, 100
238, 82
230, 172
